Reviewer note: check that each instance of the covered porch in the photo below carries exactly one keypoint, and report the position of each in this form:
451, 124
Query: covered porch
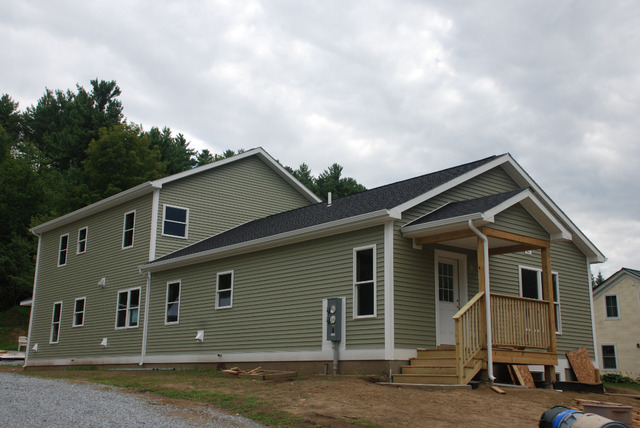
491, 327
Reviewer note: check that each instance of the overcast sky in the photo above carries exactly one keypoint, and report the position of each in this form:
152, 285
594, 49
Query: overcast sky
387, 89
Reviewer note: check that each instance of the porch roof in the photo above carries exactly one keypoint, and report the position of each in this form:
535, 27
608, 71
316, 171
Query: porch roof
446, 223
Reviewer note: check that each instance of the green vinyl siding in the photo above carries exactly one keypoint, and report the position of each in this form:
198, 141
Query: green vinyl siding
277, 300
517, 219
225, 197
104, 258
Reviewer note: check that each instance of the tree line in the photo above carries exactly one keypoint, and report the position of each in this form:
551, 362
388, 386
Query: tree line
75, 147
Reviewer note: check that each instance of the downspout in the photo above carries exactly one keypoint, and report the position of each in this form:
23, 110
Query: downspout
487, 298
145, 329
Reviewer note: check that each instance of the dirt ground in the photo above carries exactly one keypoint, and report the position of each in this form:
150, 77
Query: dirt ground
349, 401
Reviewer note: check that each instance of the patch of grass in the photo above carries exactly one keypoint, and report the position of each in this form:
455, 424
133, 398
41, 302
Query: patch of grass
360, 421
633, 386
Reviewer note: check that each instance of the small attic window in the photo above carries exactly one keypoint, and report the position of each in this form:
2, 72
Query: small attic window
175, 222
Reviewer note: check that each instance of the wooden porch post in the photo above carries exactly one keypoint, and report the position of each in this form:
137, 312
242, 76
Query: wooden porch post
547, 294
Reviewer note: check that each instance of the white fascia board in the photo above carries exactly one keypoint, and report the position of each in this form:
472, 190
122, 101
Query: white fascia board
112, 201
448, 224
258, 151
397, 211
523, 179
287, 238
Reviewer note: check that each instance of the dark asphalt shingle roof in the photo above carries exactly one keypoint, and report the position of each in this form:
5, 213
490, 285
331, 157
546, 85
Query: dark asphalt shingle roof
471, 206
369, 201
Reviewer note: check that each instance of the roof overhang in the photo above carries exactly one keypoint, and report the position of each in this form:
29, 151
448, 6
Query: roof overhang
455, 231
112, 201
615, 279
150, 186
287, 238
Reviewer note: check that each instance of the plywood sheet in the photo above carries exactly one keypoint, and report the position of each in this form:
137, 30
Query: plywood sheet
582, 366
524, 375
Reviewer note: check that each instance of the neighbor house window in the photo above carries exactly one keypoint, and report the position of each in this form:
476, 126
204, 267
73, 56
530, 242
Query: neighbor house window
364, 280
609, 359
128, 229
175, 222
224, 290
55, 322
173, 303
64, 247
612, 310
531, 287
128, 308
82, 240
78, 312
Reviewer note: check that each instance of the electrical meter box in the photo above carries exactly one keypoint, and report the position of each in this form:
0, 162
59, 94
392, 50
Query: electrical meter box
334, 319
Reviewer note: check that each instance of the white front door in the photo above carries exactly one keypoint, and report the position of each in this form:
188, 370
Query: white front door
451, 295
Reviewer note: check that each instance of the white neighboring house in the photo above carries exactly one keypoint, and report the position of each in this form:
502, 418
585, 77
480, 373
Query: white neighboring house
617, 316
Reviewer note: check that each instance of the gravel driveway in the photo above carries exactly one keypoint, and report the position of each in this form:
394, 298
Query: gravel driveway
34, 402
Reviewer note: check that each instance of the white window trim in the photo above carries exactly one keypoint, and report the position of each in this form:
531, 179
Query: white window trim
133, 230
86, 239
540, 293
218, 291
604, 300
615, 351
166, 302
164, 219
66, 250
59, 323
84, 311
355, 283
127, 320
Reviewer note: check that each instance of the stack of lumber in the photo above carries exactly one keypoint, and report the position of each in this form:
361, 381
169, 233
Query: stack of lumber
259, 373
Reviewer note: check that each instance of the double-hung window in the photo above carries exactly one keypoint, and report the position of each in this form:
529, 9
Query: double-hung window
78, 312
531, 287
172, 312
128, 308
175, 221
128, 228
612, 310
609, 359
64, 249
55, 322
82, 240
364, 282
224, 290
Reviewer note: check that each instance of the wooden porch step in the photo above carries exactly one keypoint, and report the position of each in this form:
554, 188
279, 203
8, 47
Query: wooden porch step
437, 353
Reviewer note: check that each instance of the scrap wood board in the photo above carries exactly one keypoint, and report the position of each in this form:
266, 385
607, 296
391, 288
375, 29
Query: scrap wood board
524, 375
259, 373
582, 366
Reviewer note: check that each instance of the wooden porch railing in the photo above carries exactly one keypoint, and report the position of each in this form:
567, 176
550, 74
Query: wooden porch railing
470, 329
520, 322
516, 322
